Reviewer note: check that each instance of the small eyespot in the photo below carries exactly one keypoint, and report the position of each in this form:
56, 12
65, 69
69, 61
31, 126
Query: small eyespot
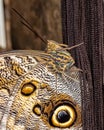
28, 89
37, 109
63, 116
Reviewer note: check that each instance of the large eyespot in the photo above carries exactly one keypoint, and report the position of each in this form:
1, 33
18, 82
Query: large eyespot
63, 116
28, 89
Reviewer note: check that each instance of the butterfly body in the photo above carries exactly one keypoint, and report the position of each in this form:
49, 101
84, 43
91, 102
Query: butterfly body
39, 90
61, 58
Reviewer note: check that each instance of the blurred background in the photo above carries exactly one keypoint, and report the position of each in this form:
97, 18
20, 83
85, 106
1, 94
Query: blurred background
43, 15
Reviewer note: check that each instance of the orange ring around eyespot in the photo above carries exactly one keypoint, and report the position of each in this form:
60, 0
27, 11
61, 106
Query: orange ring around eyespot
67, 124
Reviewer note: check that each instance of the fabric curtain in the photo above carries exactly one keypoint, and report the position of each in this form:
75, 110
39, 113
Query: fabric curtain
82, 21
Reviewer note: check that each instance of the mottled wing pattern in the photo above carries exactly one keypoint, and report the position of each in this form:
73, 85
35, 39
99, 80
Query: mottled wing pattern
32, 97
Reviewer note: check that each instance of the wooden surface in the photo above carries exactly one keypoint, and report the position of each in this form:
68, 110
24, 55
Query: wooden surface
44, 15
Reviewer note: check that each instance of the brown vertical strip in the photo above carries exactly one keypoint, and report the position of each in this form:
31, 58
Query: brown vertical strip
93, 32
83, 21
7, 24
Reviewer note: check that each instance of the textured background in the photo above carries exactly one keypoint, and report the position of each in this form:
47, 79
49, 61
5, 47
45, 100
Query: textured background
44, 15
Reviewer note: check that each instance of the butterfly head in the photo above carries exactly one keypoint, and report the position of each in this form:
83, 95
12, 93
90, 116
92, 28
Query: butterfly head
62, 58
53, 46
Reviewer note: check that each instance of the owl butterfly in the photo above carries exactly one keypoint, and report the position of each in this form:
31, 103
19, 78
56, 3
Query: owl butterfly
40, 90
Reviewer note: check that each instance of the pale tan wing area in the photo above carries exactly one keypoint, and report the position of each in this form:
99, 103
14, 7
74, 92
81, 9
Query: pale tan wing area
34, 96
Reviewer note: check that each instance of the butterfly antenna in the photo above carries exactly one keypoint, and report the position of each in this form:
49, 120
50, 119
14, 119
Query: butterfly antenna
72, 47
28, 25
34, 31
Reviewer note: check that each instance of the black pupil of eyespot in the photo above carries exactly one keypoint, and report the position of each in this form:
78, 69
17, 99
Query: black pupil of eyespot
63, 116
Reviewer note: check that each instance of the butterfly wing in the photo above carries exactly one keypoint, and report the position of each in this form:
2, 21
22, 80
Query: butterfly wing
33, 97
